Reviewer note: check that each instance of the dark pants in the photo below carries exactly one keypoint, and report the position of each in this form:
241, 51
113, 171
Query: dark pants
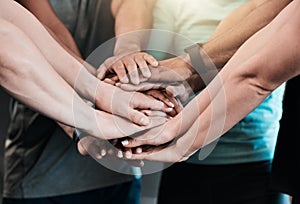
219, 184
286, 164
126, 193
296, 200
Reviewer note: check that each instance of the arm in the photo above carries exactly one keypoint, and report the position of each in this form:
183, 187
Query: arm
44, 12
257, 68
230, 34
75, 73
27, 75
132, 17
46, 15
238, 26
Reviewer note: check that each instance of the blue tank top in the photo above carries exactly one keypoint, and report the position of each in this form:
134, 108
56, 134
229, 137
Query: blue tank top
252, 139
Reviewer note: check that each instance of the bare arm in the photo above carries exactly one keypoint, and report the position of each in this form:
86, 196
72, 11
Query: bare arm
238, 26
132, 17
27, 76
264, 62
74, 73
46, 15
230, 34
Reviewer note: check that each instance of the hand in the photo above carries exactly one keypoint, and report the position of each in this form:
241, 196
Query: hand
122, 65
172, 70
103, 149
171, 130
183, 147
127, 104
107, 126
171, 102
181, 90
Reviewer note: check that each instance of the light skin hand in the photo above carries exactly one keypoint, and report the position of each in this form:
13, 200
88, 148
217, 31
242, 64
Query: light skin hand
251, 84
103, 149
173, 128
127, 104
181, 90
171, 102
130, 65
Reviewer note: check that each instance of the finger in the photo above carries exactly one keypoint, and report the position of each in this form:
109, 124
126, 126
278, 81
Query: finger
151, 60
178, 105
128, 153
130, 87
132, 70
81, 149
154, 113
170, 154
120, 70
101, 72
156, 121
149, 153
143, 66
161, 96
154, 136
144, 102
109, 81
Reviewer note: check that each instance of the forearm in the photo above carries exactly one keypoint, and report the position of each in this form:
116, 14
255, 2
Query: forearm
45, 14
66, 66
27, 76
263, 63
238, 26
131, 15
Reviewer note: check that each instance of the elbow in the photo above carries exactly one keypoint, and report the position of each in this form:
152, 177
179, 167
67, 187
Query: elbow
256, 83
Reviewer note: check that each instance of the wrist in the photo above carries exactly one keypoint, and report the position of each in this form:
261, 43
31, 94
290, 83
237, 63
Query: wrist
87, 84
187, 59
104, 96
126, 45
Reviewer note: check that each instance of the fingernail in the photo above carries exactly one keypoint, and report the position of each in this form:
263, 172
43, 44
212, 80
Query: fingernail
128, 154
139, 150
144, 121
168, 109
98, 156
120, 154
142, 163
171, 104
125, 142
103, 152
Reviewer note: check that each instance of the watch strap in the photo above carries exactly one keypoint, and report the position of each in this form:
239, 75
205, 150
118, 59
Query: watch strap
197, 59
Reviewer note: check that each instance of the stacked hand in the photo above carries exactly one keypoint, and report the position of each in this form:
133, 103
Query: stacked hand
147, 93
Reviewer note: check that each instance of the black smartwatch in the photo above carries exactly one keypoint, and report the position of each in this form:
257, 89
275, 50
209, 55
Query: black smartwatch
197, 60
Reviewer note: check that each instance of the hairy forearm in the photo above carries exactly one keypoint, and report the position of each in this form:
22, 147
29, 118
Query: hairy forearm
238, 26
